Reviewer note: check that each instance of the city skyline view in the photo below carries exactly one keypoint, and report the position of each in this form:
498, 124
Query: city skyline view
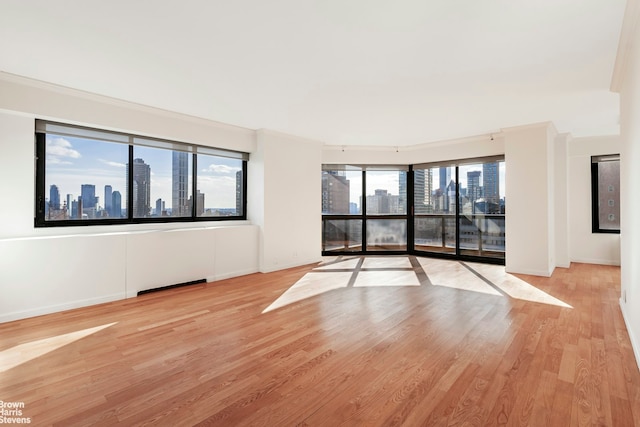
389, 180
425, 211
72, 162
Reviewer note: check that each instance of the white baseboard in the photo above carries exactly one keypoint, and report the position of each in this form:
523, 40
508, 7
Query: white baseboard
39, 311
596, 261
232, 274
635, 345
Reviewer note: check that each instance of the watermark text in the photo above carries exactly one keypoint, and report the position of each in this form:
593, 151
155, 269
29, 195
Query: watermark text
13, 413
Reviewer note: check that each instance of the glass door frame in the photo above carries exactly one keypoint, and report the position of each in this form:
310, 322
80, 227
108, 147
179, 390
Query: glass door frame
457, 253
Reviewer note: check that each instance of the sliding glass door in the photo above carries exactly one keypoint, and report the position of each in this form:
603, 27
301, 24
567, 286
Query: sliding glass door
459, 209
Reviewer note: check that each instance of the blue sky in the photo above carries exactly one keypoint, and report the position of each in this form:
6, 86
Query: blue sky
72, 162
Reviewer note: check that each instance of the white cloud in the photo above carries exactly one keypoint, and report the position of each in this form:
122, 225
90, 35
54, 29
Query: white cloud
114, 164
221, 169
52, 160
60, 147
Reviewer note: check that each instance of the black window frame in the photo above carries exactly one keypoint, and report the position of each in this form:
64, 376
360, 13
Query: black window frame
410, 215
595, 204
193, 149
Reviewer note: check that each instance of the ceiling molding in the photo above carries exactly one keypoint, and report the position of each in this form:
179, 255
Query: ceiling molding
629, 27
497, 135
287, 136
107, 100
540, 125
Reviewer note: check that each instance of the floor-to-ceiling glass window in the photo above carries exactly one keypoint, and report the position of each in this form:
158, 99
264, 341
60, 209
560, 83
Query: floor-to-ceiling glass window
364, 208
452, 209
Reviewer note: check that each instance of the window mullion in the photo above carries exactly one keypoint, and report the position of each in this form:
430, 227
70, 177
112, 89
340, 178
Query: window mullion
194, 186
130, 184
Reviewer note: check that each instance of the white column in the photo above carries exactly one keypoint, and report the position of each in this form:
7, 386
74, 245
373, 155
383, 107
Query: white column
529, 199
285, 200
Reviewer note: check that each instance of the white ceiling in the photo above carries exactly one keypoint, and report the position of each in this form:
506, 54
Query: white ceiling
343, 72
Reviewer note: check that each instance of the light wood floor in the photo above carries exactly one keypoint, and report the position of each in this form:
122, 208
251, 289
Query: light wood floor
400, 341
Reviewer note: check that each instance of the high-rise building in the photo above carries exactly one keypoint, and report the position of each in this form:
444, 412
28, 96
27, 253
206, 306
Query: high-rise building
69, 204
54, 197
402, 191
422, 190
89, 201
116, 204
107, 199
335, 192
445, 178
418, 190
381, 202
88, 194
199, 204
491, 185
160, 211
450, 198
428, 189
81, 213
141, 188
74, 209
474, 191
445, 193
180, 184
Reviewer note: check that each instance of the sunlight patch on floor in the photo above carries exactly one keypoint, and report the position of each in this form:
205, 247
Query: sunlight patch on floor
454, 275
350, 263
386, 278
22, 353
311, 284
518, 288
514, 286
386, 262
397, 271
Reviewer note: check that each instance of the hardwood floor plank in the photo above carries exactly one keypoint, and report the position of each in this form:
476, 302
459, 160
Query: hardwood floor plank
497, 349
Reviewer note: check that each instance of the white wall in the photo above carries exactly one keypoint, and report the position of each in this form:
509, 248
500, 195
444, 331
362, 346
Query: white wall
47, 101
210, 253
629, 62
529, 216
50, 269
43, 275
585, 246
40, 275
285, 200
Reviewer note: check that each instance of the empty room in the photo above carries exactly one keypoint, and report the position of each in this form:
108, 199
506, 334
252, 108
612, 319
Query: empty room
321, 213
